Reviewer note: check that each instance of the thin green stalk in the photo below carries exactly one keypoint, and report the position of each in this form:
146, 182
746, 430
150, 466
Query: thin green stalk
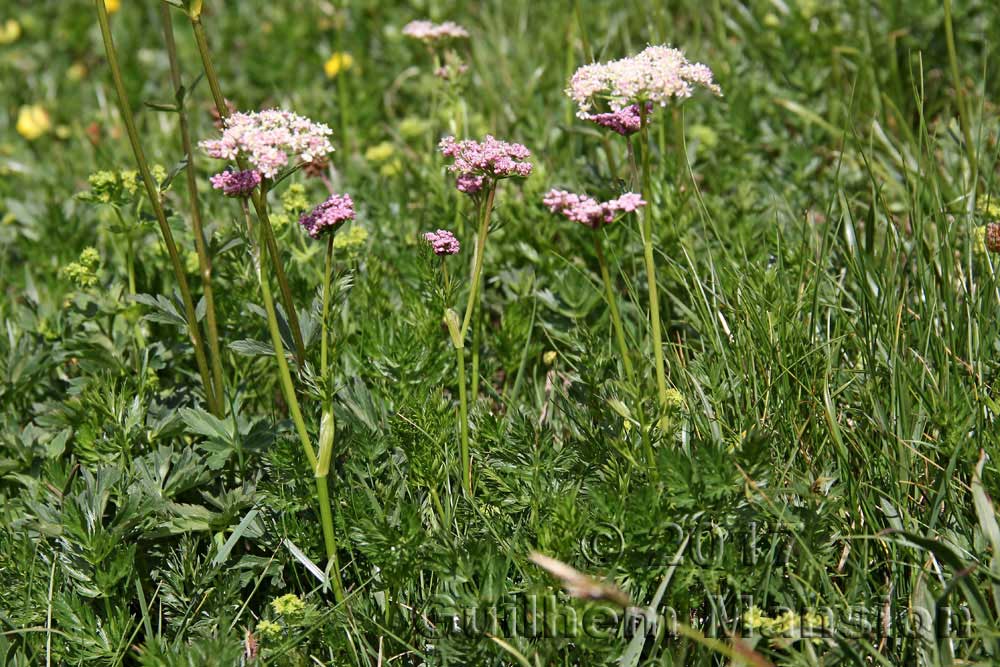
327, 280
129, 250
477, 268
320, 466
476, 337
464, 423
458, 342
963, 109
258, 199
616, 318
623, 350
284, 374
647, 248
154, 198
204, 261
326, 518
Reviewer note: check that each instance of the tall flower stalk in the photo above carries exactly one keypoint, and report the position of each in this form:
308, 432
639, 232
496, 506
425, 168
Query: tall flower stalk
204, 260
211, 398
257, 199
480, 167
596, 215
631, 87
319, 464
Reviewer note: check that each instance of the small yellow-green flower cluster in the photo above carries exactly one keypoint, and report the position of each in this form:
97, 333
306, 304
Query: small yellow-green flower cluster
674, 398
83, 272
293, 204
268, 629
351, 241
288, 605
118, 187
788, 624
383, 154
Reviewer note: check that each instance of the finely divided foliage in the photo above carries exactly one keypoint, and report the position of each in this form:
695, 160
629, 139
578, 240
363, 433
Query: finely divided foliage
696, 380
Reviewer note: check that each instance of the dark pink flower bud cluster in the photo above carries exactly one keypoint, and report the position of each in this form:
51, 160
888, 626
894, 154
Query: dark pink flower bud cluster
328, 216
469, 184
443, 242
626, 122
491, 157
587, 210
236, 183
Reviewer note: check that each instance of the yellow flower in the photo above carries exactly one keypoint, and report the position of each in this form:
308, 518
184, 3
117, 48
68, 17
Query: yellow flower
10, 31
337, 63
33, 121
550, 357
112, 5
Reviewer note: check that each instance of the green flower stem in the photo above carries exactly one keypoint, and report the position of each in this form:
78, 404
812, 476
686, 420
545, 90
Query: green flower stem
623, 350
960, 101
326, 518
458, 342
464, 421
647, 251
327, 280
154, 198
477, 332
616, 317
129, 249
477, 268
204, 261
284, 374
258, 198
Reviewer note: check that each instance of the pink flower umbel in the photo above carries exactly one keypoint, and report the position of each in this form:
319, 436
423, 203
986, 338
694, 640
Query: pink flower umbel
626, 122
587, 210
443, 242
236, 183
491, 158
429, 32
658, 74
328, 216
270, 139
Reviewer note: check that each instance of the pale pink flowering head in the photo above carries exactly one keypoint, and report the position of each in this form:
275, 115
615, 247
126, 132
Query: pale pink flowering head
658, 74
443, 242
236, 183
270, 139
587, 210
429, 32
328, 216
490, 157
